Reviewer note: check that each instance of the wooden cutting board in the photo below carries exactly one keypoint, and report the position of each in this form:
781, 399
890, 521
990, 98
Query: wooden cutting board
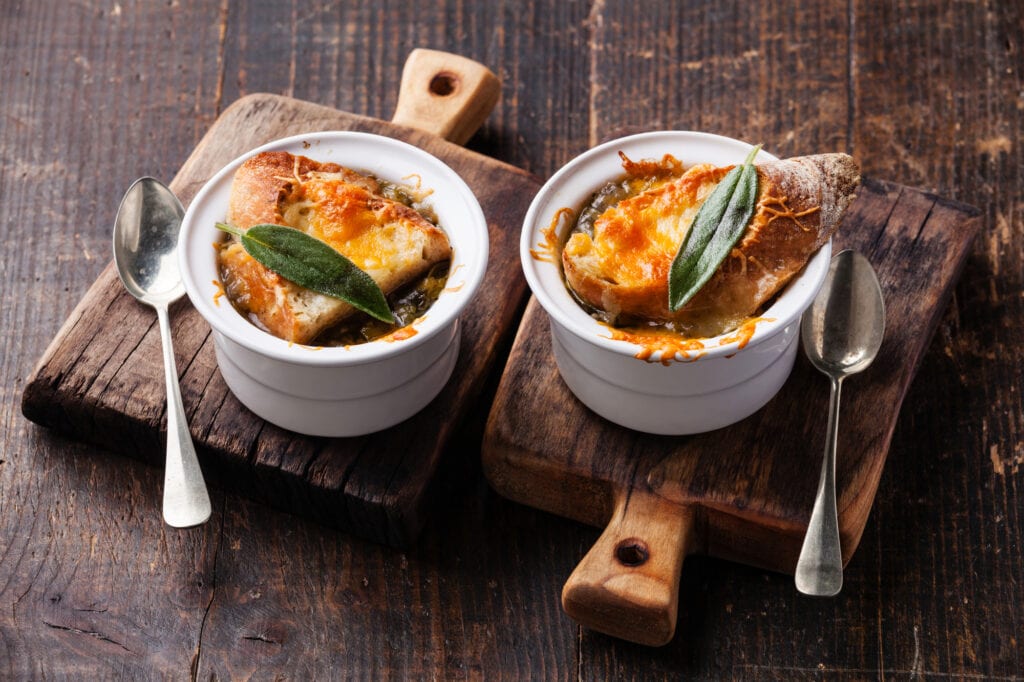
744, 492
101, 379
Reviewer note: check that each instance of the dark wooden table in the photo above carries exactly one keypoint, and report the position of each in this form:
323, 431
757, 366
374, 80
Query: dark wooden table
93, 585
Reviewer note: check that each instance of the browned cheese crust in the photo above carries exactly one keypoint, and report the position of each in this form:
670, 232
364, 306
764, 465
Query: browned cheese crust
623, 270
390, 241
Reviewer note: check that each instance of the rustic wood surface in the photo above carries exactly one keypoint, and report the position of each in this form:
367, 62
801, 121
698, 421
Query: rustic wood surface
93, 586
99, 380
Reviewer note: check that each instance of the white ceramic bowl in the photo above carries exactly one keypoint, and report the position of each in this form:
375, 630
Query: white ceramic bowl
341, 391
722, 386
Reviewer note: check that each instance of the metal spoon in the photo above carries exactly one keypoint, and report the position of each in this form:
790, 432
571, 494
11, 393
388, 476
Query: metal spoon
841, 333
145, 251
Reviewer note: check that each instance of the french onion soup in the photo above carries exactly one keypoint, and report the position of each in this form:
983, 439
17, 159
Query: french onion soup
384, 229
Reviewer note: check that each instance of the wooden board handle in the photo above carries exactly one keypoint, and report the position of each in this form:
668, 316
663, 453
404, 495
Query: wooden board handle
627, 585
445, 94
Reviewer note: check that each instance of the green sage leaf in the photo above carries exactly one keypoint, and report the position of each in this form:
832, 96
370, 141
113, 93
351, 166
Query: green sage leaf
312, 263
718, 225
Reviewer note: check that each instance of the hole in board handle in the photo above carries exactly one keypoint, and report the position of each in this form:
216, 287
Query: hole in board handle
444, 84
632, 552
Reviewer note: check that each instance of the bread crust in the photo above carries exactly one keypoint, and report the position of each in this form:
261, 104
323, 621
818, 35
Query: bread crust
388, 240
623, 269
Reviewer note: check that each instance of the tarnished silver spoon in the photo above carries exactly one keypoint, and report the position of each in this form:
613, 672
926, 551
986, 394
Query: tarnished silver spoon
841, 332
145, 251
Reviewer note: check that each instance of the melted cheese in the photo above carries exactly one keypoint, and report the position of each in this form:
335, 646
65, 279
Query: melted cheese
635, 242
364, 227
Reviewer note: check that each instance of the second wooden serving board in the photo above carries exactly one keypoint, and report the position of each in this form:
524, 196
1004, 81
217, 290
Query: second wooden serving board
744, 492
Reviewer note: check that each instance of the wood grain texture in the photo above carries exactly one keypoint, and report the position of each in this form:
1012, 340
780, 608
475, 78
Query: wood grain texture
100, 379
925, 94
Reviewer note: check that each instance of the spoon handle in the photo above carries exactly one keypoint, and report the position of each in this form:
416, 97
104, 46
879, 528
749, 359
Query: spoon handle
819, 570
186, 501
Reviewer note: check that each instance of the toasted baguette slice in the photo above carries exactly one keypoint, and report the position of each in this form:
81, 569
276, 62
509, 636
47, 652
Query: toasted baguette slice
623, 270
391, 242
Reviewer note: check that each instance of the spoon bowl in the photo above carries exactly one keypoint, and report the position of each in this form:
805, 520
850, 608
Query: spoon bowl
842, 330
145, 253
146, 242
841, 333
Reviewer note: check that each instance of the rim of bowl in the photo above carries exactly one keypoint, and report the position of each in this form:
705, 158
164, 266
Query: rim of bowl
582, 176
469, 257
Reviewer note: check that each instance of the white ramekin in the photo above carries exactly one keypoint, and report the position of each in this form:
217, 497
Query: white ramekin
340, 391
726, 383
